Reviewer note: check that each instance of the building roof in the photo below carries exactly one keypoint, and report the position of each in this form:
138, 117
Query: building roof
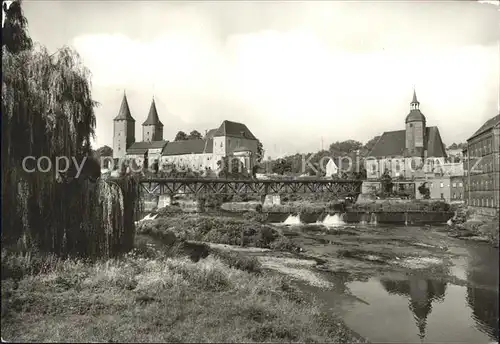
153, 118
415, 116
393, 143
142, 147
390, 143
434, 145
210, 134
188, 147
234, 129
124, 113
489, 124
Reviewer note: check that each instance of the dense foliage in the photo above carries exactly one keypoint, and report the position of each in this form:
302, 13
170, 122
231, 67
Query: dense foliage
194, 135
47, 111
181, 136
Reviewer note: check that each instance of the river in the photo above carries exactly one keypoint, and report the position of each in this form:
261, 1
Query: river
395, 284
406, 284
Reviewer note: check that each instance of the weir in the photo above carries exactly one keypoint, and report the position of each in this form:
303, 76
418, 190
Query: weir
334, 220
292, 220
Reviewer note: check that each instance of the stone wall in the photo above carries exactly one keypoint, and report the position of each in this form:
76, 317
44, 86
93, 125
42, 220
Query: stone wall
410, 218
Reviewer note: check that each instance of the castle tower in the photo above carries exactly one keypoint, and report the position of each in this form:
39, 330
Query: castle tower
152, 128
123, 130
415, 130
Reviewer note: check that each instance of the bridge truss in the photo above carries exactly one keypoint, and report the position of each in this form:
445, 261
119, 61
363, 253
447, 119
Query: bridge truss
175, 186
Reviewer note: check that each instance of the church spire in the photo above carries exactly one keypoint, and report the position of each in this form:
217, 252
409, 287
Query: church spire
414, 102
153, 118
124, 113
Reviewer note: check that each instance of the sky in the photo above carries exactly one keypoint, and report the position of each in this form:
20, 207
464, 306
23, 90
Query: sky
300, 75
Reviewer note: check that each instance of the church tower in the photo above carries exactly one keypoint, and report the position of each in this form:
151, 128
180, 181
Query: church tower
123, 130
415, 130
152, 128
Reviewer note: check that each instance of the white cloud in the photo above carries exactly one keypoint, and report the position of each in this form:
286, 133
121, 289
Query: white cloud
292, 87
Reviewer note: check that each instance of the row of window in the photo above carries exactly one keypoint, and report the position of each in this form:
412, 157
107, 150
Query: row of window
454, 196
441, 185
482, 168
483, 202
482, 185
457, 184
481, 148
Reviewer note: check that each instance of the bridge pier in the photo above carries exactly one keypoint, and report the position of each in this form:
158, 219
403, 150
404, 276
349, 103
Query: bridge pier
270, 200
164, 201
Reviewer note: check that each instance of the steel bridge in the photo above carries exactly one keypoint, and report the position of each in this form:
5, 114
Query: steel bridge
176, 186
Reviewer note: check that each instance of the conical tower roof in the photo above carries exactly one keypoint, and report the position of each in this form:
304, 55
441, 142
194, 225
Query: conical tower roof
124, 113
153, 118
414, 100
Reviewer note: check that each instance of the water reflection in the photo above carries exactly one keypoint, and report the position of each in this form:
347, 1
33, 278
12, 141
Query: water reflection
482, 292
421, 293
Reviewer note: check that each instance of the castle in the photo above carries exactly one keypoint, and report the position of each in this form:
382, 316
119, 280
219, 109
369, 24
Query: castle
229, 140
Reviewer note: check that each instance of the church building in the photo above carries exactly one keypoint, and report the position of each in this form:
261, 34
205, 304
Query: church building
230, 140
414, 152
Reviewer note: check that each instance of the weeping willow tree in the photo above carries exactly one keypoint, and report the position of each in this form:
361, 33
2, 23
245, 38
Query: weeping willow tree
47, 111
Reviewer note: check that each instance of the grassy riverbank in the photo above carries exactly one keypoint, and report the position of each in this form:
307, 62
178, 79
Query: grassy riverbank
157, 294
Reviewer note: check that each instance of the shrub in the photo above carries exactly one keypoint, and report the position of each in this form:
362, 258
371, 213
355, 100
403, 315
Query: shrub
238, 261
255, 216
283, 244
212, 200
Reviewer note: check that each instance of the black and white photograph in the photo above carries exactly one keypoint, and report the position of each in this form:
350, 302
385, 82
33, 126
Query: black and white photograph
259, 171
